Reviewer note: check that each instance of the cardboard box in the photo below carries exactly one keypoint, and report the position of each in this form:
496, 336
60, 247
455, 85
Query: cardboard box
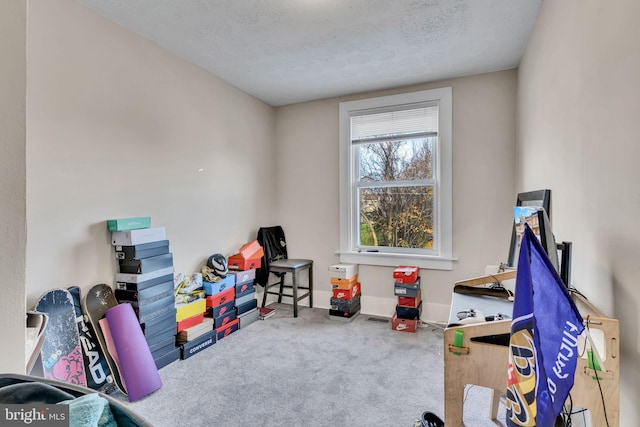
344, 283
224, 319
245, 288
184, 311
246, 298
147, 308
146, 265
347, 293
189, 322
137, 237
228, 329
249, 256
345, 314
343, 270
407, 289
403, 325
145, 296
344, 305
146, 250
148, 316
410, 301
161, 336
406, 274
193, 332
191, 348
162, 347
145, 279
212, 288
221, 310
166, 322
247, 306
409, 312
125, 224
242, 276
168, 358
221, 297
248, 318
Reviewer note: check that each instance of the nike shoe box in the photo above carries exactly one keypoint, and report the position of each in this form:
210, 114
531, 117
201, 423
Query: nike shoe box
146, 250
146, 296
189, 322
148, 314
168, 358
344, 283
343, 271
194, 332
224, 319
124, 224
194, 347
227, 329
166, 322
248, 318
244, 288
409, 312
242, 276
212, 288
160, 336
403, 325
410, 301
345, 305
345, 314
407, 289
190, 309
139, 282
249, 257
406, 274
221, 297
348, 293
146, 265
246, 298
138, 236
221, 310
247, 306
143, 309
162, 347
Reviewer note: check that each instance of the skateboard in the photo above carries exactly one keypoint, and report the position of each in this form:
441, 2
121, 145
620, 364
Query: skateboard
95, 364
97, 301
61, 351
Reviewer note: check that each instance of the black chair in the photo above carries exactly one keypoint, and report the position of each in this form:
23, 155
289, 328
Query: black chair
277, 262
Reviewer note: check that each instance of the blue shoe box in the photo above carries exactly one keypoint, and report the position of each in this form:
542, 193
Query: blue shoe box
409, 312
191, 348
244, 288
212, 288
247, 306
221, 309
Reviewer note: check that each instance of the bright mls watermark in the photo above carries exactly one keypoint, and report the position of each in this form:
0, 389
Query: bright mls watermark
34, 415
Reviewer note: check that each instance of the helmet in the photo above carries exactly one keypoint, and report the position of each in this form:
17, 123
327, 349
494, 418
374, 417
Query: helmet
218, 263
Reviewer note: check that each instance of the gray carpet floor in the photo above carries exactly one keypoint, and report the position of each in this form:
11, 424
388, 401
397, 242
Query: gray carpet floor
310, 371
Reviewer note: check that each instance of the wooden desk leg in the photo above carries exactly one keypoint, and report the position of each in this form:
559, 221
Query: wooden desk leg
453, 401
495, 403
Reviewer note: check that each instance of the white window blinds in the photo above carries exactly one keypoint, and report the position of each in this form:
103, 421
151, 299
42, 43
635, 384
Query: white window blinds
418, 121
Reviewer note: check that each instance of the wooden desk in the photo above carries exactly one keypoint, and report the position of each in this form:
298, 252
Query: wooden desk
485, 364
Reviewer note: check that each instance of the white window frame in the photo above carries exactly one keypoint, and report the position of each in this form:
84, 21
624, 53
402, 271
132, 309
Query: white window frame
442, 256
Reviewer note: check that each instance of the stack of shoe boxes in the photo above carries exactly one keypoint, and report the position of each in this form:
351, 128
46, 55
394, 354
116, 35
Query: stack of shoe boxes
246, 302
345, 301
195, 332
145, 280
409, 308
220, 304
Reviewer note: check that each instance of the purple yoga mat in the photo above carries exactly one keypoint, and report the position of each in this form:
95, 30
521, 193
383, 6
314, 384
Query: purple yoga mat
137, 366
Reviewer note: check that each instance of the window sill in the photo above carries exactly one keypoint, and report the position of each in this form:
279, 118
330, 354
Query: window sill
394, 260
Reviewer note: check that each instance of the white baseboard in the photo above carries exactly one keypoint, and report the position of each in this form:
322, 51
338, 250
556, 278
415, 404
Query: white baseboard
374, 306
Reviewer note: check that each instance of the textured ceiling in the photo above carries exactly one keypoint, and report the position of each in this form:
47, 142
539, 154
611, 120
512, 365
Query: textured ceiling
288, 51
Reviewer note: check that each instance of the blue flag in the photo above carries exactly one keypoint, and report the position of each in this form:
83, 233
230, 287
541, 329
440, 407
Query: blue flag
543, 347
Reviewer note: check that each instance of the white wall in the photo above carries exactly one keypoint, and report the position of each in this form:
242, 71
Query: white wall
13, 232
118, 127
579, 103
484, 113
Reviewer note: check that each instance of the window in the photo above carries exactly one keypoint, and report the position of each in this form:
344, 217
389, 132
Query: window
395, 180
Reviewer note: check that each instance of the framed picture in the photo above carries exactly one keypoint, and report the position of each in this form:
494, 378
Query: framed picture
534, 199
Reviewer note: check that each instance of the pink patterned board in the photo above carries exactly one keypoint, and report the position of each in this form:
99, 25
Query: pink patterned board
61, 352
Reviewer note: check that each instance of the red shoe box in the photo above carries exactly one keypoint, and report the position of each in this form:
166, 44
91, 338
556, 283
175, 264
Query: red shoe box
228, 329
190, 321
221, 297
406, 274
412, 302
347, 293
403, 325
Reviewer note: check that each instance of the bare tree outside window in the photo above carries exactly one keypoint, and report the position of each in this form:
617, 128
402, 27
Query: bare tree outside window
396, 192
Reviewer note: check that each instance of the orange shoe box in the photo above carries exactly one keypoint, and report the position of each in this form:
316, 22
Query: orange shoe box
412, 302
344, 283
190, 322
347, 293
221, 297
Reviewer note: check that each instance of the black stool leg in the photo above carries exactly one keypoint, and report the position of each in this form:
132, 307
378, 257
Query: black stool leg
295, 292
311, 285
